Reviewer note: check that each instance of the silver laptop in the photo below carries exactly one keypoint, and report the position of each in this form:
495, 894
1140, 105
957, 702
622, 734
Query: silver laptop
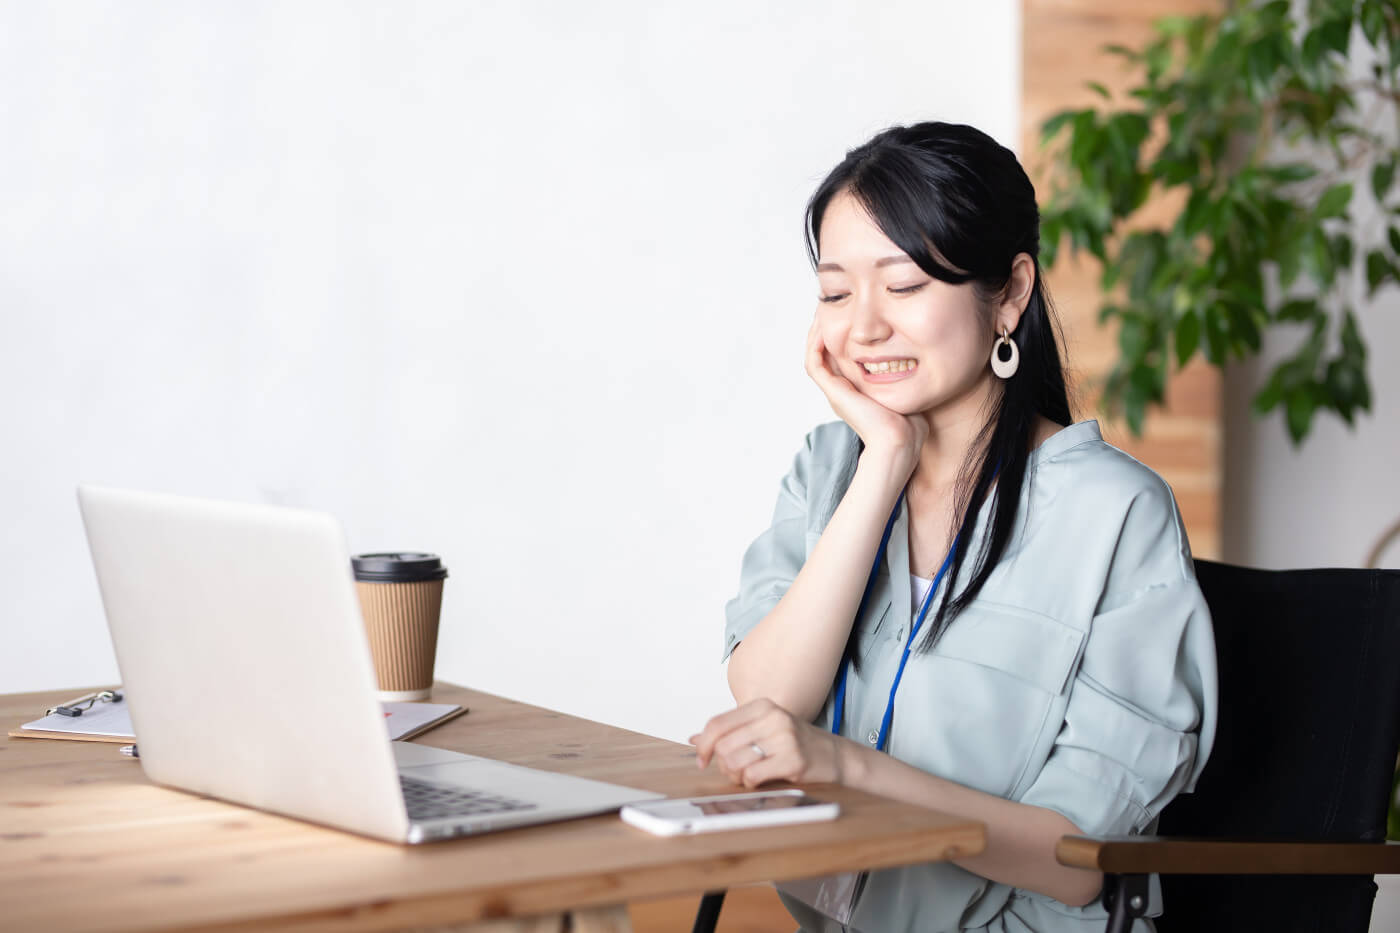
243, 655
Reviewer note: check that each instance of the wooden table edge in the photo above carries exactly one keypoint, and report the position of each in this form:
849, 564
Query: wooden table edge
541, 898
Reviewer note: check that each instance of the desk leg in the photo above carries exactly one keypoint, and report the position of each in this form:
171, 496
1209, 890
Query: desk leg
585, 920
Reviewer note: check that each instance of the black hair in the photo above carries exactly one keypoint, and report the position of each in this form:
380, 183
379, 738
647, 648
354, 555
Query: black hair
961, 206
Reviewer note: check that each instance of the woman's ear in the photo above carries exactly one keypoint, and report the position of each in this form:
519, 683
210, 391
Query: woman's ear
1018, 293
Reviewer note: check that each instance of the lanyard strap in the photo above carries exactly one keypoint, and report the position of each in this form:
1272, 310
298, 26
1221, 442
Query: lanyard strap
840, 707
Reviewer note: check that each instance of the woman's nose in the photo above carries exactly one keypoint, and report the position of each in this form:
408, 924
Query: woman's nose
867, 319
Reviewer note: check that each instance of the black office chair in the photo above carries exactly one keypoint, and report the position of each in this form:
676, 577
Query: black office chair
1287, 826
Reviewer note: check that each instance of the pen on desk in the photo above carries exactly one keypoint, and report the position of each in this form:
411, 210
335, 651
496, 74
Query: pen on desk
129, 751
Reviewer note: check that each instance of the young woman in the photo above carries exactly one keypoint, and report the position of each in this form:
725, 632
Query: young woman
964, 600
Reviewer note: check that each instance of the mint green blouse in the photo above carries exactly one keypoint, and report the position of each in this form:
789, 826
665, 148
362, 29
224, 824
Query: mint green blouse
1082, 678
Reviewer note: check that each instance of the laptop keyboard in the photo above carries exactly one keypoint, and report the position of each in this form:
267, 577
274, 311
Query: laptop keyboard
429, 801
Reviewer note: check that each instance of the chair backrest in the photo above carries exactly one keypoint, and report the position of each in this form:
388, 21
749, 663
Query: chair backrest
1309, 725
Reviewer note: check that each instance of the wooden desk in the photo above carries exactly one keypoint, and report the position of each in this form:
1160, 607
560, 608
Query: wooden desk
87, 843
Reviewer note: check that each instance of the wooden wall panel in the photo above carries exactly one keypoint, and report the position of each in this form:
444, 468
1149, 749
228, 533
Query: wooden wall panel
1062, 43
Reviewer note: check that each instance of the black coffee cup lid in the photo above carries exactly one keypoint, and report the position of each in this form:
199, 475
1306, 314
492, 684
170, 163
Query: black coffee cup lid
398, 567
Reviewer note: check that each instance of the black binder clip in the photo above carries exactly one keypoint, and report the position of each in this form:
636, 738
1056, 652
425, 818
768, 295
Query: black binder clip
76, 707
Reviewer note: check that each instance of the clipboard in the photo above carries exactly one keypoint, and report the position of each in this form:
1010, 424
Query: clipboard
99, 716
102, 716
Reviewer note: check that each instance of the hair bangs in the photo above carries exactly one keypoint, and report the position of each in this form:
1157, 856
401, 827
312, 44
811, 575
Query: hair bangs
896, 202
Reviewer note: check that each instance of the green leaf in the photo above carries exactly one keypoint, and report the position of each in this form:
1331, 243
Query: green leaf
1054, 124
1173, 25
1158, 58
1085, 143
1300, 411
1146, 379
1352, 346
1289, 256
1176, 171
1273, 13
1394, 236
1267, 397
1122, 51
1299, 309
1244, 330
1333, 202
1216, 340
1317, 258
1271, 394
1132, 336
1111, 273
1336, 34
1197, 212
1372, 21
1344, 388
1343, 250
1134, 127
1051, 227
1378, 269
1314, 48
1258, 69
1099, 89
1188, 335
1289, 172
1135, 195
1134, 409
1382, 174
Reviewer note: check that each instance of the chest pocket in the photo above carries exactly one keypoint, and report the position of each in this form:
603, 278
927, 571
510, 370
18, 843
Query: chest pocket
987, 693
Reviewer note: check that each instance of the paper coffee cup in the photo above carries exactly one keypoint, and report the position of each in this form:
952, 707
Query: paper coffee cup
401, 600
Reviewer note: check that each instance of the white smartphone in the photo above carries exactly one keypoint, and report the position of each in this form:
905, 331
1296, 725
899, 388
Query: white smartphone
684, 815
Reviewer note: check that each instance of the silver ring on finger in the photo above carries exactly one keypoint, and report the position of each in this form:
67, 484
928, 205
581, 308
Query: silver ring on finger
758, 750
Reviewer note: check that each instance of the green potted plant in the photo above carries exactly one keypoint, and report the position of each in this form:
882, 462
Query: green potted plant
1258, 121
1273, 126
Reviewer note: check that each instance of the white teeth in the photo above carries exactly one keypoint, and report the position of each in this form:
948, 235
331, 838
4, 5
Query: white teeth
898, 366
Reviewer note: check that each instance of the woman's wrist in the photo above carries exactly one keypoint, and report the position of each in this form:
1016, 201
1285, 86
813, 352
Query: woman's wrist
851, 766
887, 469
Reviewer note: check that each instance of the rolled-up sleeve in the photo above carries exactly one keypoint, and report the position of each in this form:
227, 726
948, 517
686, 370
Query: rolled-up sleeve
1140, 717
772, 561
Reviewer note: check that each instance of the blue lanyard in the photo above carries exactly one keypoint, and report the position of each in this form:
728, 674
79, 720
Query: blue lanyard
840, 708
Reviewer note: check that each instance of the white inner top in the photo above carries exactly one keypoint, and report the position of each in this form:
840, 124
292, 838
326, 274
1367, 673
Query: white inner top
919, 587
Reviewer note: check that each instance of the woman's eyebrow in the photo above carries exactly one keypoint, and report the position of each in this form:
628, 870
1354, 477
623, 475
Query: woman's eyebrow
884, 261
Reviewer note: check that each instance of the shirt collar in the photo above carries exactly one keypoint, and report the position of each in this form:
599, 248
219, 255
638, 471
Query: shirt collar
1064, 439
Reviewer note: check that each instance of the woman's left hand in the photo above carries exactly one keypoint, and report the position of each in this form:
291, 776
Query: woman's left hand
760, 741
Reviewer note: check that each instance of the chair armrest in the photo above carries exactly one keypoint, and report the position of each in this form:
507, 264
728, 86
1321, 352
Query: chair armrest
1137, 855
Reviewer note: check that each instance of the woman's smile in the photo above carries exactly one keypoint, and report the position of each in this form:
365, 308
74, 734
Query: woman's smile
887, 370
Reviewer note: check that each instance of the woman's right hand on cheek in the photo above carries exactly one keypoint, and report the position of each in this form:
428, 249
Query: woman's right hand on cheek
882, 429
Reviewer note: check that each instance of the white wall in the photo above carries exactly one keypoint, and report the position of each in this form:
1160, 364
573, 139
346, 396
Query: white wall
519, 283
1327, 503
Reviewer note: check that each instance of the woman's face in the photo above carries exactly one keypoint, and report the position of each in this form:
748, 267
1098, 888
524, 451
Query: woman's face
931, 341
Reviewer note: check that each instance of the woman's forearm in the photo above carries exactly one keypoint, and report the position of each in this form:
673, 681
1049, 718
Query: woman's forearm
791, 656
1021, 838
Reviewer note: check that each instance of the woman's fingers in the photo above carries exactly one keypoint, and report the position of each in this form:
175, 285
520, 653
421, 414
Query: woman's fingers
769, 769
768, 743
784, 761
743, 747
724, 724
873, 422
